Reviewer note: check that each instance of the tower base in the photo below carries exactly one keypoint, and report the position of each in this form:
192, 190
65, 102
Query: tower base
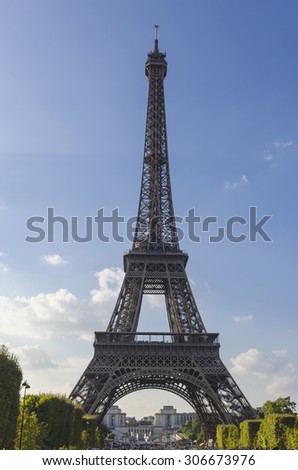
186, 364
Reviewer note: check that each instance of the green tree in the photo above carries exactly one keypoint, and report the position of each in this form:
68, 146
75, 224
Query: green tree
104, 429
191, 429
273, 431
11, 379
279, 406
63, 420
33, 432
221, 435
292, 437
90, 434
227, 436
75, 440
249, 432
100, 440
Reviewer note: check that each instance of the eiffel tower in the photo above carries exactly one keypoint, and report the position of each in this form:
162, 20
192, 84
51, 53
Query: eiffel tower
184, 361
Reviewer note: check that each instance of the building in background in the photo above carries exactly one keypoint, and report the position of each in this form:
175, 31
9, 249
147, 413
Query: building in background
115, 418
167, 420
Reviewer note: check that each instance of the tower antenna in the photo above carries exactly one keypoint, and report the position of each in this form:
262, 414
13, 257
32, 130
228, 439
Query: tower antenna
156, 37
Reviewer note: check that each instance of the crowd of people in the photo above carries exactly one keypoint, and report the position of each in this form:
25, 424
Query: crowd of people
155, 445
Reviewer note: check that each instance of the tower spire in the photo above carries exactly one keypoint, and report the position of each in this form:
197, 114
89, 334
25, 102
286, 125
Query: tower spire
156, 228
156, 38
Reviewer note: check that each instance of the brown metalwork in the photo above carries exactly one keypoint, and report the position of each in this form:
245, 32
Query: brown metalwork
185, 361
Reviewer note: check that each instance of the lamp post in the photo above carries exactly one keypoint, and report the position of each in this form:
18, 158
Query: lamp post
26, 386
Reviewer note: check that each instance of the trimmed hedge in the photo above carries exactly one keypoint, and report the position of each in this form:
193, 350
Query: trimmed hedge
75, 439
11, 379
249, 433
292, 437
273, 431
227, 436
62, 418
90, 432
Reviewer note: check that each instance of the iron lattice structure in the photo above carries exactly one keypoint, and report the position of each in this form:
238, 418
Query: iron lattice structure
185, 361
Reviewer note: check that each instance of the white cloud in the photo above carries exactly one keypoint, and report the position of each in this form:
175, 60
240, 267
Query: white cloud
273, 158
54, 259
61, 313
244, 318
58, 379
109, 280
3, 267
280, 353
33, 358
255, 362
2, 254
156, 302
228, 186
289, 143
283, 385
246, 362
39, 316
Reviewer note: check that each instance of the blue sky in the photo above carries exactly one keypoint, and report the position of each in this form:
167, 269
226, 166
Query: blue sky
73, 103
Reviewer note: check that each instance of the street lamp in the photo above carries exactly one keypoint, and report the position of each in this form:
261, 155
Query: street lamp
26, 386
